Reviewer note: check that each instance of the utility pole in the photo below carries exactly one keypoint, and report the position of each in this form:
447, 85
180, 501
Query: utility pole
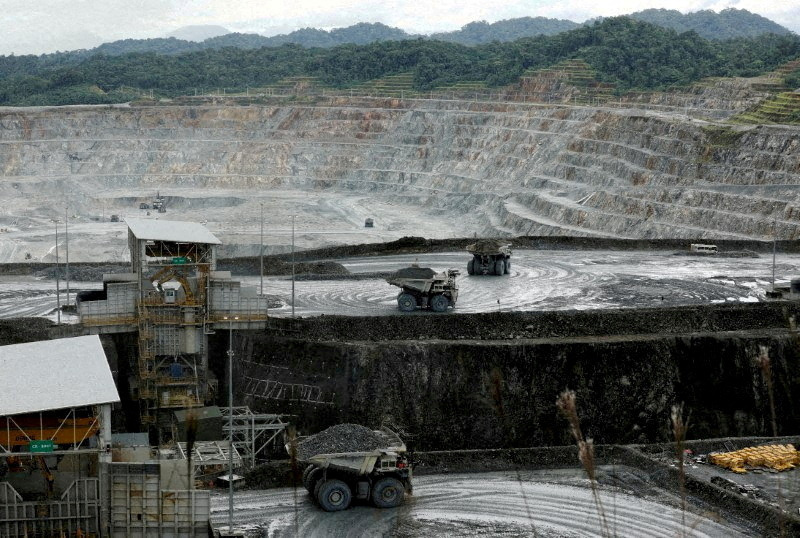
293, 216
58, 291
230, 426
66, 247
774, 248
261, 248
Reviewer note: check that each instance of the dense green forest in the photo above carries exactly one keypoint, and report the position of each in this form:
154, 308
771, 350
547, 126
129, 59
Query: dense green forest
727, 24
479, 32
624, 52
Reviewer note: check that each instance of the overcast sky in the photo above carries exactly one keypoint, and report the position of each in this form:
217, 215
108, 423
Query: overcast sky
38, 26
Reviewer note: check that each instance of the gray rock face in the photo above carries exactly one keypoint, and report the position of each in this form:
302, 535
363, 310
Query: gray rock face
495, 168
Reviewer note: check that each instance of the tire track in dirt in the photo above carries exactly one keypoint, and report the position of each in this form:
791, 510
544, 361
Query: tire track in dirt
471, 505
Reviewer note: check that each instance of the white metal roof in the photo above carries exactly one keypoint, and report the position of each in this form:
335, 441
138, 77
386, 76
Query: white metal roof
54, 374
176, 231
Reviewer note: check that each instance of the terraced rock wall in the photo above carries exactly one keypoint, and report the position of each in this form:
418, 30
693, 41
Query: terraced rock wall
450, 385
507, 169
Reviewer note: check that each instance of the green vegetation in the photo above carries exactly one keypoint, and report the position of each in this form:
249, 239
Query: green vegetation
727, 24
479, 32
621, 52
722, 136
782, 108
791, 74
579, 74
401, 85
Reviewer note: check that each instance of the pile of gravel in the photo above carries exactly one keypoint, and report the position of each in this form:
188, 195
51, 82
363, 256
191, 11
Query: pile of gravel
340, 438
414, 272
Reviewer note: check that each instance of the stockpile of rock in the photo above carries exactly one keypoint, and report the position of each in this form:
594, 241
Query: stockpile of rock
340, 438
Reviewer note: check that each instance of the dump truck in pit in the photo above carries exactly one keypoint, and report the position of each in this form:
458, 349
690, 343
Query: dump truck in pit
489, 257
381, 476
422, 287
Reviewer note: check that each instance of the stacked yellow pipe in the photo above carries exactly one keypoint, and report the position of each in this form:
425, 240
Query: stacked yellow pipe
778, 457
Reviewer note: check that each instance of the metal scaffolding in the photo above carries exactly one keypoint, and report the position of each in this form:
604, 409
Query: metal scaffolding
209, 453
252, 433
163, 386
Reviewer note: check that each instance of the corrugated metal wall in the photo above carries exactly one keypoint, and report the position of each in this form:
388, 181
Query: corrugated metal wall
140, 508
120, 303
78, 509
226, 299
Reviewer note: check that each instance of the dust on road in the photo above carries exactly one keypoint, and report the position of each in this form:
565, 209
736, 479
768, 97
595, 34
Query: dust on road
551, 503
545, 280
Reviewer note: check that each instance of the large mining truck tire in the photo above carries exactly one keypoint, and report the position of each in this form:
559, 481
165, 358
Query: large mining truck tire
334, 495
316, 487
499, 267
388, 492
311, 474
406, 302
508, 267
471, 266
439, 303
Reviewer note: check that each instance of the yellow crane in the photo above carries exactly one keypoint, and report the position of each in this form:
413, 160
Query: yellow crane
165, 274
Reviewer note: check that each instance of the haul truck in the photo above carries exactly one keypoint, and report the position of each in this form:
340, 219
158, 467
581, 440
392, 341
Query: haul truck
489, 257
423, 287
381, 476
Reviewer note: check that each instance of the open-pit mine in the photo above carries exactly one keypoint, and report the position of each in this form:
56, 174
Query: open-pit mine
258, 253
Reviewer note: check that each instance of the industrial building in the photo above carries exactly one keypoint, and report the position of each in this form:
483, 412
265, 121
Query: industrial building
59, 474
62, 471
55, 415
173, 298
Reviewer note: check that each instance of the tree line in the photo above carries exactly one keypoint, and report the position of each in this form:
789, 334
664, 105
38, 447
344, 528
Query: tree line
629, 54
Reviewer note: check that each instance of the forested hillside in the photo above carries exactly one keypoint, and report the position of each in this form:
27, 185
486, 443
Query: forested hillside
626, 53
727, 24
479, 32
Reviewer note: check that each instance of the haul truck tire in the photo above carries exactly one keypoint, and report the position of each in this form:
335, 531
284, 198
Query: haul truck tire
499, 267
316, 487
439, 303
334, 495
508, 267
406, 302
311, 474
388, 492
471, 267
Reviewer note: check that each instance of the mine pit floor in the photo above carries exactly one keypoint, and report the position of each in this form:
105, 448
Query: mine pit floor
547, 503
539, 280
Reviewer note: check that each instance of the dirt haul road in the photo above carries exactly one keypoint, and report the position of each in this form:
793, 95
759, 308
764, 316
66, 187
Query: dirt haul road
546, 280
552, 503
539, 280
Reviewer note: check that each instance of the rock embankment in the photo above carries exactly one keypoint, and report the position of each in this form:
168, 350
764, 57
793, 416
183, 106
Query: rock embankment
491, 380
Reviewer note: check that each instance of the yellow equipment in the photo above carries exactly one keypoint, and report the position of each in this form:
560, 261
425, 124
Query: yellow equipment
165, 274
778, 457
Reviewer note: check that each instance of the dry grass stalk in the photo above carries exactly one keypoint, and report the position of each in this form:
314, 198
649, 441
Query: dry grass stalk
765, 364
566, 404
679, 427
291, 441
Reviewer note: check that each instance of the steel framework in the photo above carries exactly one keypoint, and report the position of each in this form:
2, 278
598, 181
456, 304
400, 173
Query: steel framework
252, 433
